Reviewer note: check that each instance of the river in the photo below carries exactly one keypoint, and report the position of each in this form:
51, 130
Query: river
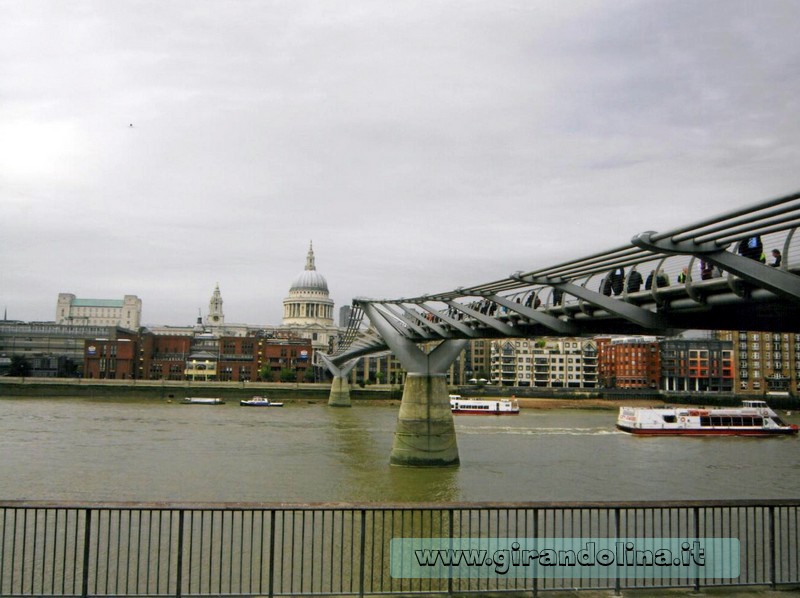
110, 449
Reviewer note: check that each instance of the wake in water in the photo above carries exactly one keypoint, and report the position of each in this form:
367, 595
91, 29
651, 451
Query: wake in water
515, 431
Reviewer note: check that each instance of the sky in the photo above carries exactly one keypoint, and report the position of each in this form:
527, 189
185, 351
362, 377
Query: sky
159, 148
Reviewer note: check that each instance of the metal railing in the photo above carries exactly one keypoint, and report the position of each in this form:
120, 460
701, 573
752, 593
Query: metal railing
88, 549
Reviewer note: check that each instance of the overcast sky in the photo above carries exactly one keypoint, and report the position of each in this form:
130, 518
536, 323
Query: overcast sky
421, 145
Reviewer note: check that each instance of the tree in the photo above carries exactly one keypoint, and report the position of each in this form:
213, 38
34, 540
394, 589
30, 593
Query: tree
309, 375
265, 373
288, 375
20, 366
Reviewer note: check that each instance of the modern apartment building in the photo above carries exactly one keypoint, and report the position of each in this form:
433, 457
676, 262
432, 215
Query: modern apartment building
544, 362
696, 365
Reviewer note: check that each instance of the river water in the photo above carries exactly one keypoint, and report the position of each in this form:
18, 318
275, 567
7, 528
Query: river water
150, 450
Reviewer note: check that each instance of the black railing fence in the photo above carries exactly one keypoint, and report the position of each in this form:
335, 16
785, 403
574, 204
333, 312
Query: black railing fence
147, 549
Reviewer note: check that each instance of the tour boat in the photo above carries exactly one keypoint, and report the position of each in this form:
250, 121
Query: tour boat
753, 418
483, 406
259, 402
203, 401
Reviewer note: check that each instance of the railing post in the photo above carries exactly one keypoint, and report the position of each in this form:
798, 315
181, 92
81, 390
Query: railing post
450, 535
697, 536
179, 580
617, 586
87, 532
362, 550
772, 581
271, 583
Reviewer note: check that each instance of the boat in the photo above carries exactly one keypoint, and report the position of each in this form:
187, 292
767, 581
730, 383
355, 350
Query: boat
458, 404
259, 402
203, 401
753, 418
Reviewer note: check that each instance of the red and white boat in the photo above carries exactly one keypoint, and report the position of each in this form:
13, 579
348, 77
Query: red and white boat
458, 404
753, 418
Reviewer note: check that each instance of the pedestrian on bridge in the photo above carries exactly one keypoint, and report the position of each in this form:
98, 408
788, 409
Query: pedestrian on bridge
634, 281
777, 258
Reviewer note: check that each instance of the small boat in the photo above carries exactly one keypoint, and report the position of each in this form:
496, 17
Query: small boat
753, 418
202, 401
483, 406
259, 402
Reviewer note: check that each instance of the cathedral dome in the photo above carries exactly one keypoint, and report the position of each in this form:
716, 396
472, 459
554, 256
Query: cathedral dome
309, 279
308, 303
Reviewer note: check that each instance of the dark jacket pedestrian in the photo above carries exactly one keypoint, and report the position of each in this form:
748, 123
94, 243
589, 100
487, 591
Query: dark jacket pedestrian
753, 248
634, 281
617, 280
706, 270
777, 258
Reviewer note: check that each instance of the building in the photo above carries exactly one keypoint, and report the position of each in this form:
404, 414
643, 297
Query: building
629, 362
53, 350
544, 362
215, 317
564, 363
125, 313
765, 362
163, 356
308, 309
115, 359
696, 365
344, 316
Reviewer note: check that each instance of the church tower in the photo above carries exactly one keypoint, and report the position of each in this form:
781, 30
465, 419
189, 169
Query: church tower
308, 302
215, 315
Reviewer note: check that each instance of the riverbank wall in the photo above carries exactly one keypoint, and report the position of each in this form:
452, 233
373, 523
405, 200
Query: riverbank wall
179, 389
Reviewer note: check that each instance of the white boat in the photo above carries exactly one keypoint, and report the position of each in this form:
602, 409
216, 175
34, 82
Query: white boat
753, 418
259, 402
484, 406
203, 401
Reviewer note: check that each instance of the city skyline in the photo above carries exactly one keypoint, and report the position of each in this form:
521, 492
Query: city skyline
157, 149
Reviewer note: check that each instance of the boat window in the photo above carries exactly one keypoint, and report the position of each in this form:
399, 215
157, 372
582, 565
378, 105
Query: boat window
777, 420
705, 421
737, 421
757, 421
726, 421
670, 419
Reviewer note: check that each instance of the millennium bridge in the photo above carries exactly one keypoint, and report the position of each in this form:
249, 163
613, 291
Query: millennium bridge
707, 275
716, 274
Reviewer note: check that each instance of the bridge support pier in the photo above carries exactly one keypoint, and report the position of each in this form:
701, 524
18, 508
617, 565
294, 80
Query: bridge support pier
340, 388
425, 435
340, 392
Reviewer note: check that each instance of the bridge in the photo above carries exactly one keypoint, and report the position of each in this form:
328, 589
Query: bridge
714, 274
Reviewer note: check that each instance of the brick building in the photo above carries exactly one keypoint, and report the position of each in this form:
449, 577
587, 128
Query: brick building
114, 359
628, 362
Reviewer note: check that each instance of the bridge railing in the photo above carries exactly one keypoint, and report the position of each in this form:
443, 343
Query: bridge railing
673, 259
87, 549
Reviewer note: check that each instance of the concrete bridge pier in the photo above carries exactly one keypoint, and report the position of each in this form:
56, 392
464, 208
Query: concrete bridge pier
425, 435
340, 388
340, 392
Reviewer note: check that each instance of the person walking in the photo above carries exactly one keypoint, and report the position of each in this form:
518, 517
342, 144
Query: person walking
777, 258
634, 281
